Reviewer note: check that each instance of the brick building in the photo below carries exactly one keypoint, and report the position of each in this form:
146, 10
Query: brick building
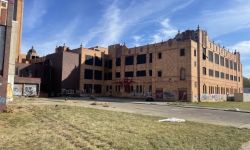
10, 41
189, 67
50, 74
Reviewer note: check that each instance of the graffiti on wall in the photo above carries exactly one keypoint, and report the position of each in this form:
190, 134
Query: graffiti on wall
30, 90
214, 97
17, 90
159, 93
169, 95
2, 100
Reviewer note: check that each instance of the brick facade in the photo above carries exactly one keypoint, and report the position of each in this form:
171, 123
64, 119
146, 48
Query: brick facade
189, 67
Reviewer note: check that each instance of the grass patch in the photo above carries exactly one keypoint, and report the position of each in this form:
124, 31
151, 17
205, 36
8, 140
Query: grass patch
67, 127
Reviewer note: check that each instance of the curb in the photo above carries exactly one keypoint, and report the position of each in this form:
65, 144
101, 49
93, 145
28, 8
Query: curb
196, 107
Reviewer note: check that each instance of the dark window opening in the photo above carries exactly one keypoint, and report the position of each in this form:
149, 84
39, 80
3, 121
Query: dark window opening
129, 74
159, 55
110, 64
88, 74
98, 75
118, 62
159, 73
89, 60
182, 52
204, 56
108, 76
141, 59
150, 58
150, 73
88, 88
117, 74
129, 60
98, 61
97, 88
141, 73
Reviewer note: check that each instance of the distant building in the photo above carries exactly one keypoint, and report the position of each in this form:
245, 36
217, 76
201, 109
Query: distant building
189, 67
10, 42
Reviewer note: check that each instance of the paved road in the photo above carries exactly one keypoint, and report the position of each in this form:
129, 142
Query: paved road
218, 117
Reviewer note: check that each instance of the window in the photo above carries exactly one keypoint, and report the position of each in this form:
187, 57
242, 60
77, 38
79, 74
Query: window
195, 53
88, 74
204, 56
98, 88
89, 60
88, 88
227, 62
231, 64
204, 70
222, 75
235, 78
227, 76
231, 77
204, 89
159, 73
150, 58
211, 56
129, 74
182, 52
98, 75
217, 58
141, 59
159, 55
110, 64
118, 62
222, 60
2, 41
108, 76
183, 74
117, 74
238, 67
217, 74
150, 73
98, 61
239, 79
141, 73
211, 72
129, 60
235, 66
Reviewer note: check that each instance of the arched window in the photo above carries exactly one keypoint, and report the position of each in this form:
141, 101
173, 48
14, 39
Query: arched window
204, 89
183, 74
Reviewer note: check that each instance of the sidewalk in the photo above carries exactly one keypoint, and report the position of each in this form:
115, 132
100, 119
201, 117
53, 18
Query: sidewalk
189, 106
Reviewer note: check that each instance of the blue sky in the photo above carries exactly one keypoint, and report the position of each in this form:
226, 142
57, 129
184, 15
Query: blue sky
48, 23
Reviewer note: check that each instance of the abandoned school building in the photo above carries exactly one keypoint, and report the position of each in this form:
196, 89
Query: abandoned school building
188, 67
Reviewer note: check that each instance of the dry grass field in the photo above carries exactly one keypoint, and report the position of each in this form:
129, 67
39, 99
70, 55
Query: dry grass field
70, 127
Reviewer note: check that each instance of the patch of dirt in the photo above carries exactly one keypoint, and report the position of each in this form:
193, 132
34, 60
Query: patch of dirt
245, 146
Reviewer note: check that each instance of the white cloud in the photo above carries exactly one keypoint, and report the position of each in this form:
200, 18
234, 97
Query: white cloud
167, 31
33, 15
231, 19
243, 47
116, 21
137, 40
